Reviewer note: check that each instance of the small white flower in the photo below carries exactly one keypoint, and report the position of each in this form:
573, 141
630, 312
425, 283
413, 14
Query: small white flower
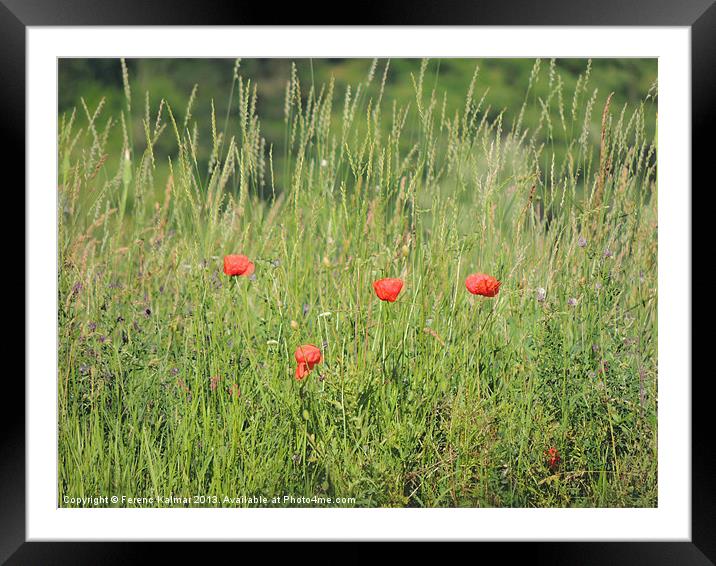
541, 294
324, 163
572, 302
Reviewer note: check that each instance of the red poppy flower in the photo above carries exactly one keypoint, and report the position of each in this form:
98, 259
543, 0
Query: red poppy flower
481, 284
238, 265
306, 356
388, 289
552, 457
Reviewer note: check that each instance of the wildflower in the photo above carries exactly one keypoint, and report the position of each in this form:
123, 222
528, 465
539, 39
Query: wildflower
76, 288
582, 242
388, 289
552, 457
234, 390
238, 265
608, 252
326, 261
405, 250
541, 294
306, 356
214, 382
324, 163
572, 302
306, 308
92, 326
481, 284
294, 325
597, 286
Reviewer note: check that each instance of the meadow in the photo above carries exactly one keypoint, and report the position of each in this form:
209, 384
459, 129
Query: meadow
177, 382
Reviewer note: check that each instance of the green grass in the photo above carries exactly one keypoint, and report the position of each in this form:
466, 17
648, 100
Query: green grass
438, 399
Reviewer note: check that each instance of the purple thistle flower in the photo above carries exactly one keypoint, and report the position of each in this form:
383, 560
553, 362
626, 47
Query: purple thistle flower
608, 253
572, 302
582, 242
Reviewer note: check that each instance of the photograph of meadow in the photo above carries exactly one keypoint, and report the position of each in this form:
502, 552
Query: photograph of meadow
357, 283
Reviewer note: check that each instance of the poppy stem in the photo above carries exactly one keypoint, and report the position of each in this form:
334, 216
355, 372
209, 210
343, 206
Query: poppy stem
382, 337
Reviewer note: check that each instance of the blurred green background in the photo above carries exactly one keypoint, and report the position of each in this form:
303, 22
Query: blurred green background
504, 83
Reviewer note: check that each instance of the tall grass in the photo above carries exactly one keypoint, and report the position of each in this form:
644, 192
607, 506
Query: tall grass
177, 380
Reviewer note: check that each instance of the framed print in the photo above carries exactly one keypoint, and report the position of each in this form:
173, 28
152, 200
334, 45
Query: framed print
424, 278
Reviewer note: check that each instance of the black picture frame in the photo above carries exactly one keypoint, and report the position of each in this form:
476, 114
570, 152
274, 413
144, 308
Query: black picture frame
699, 15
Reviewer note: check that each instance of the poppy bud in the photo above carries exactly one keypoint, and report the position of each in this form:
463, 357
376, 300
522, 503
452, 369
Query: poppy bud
388, 289
481, 284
